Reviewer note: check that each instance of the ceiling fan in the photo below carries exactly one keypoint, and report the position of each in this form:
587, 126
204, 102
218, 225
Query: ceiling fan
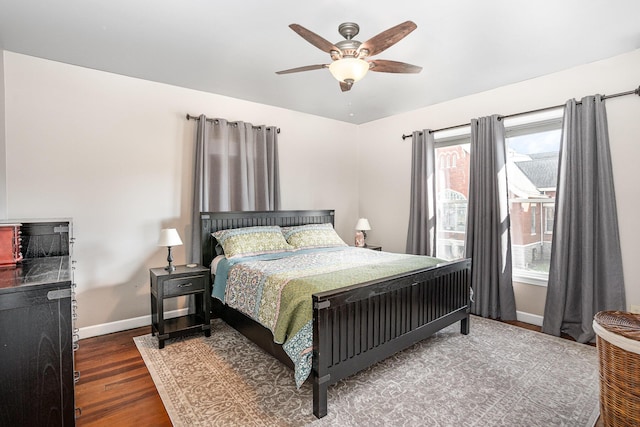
351, 58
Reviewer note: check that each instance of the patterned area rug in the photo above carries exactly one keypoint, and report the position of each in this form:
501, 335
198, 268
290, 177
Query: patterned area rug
499, 375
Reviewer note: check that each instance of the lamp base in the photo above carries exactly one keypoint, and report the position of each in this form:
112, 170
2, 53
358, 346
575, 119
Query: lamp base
170, 267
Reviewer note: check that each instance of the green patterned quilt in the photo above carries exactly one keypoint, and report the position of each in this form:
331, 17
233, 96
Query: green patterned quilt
277, 292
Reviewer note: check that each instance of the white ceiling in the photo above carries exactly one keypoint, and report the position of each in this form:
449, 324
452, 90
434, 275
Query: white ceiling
234, 48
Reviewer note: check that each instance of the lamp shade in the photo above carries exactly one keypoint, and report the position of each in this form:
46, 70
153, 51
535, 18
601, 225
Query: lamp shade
169, 237
363, 224
349, 69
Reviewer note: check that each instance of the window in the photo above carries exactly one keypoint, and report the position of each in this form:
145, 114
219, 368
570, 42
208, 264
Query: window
533, 143
533, 218
452, 191
549, 213
532, 168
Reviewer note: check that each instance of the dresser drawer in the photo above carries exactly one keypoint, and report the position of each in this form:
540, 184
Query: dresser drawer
183, 285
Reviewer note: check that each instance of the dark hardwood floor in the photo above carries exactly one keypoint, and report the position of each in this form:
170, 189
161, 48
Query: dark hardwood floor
115, 388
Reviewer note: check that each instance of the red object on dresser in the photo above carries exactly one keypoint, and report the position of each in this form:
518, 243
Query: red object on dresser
10, 247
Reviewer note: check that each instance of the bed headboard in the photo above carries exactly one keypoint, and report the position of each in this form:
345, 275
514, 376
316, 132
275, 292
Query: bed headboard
214, 221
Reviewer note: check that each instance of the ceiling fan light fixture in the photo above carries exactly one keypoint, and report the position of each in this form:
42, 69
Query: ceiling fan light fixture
353, 69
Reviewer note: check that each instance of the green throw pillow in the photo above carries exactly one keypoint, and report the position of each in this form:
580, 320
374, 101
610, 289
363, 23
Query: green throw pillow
251, 241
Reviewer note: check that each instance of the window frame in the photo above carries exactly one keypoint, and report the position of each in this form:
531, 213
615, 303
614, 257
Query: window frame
444, 139
518, 125
527, 124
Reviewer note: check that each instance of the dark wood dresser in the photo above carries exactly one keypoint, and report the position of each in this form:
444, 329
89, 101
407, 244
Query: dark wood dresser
37, 334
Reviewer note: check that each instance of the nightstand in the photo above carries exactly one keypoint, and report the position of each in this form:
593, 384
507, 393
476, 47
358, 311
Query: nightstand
183, 281
373, 247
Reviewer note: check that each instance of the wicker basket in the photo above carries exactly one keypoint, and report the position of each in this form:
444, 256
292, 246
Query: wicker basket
618, 341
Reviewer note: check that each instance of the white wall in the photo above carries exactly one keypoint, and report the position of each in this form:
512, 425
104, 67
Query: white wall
115, 154
386, 159
3, 158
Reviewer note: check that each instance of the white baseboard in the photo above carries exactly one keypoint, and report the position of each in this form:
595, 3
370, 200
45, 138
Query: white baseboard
533, 319
123, 325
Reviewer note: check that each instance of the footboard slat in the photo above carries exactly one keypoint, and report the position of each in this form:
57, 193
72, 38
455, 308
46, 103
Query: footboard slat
386, 319
343, 332
335, 346
366, 323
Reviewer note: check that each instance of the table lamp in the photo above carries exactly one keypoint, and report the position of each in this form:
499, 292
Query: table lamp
169, 237
362, 227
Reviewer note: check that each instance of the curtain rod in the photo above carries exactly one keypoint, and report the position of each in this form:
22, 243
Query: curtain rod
190, 117
539, 110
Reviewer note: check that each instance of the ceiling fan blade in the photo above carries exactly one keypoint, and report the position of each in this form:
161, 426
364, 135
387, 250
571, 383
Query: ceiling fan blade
387, 38
345, 86
384, 66
314, 39
305, 68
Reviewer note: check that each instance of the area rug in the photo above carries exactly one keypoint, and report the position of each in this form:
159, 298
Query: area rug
498, 375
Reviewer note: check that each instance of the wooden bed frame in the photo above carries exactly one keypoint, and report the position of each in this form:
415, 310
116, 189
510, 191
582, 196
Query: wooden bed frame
356, 326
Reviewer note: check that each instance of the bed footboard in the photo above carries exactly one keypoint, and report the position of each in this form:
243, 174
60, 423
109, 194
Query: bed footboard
360, 325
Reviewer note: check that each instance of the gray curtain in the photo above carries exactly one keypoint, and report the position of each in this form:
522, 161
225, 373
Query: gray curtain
421, 237
236, 169
585, 275
488, 240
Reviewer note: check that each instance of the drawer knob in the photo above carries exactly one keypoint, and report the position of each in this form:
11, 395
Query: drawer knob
184, 285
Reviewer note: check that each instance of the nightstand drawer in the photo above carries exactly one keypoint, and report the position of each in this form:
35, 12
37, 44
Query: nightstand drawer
183, 285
